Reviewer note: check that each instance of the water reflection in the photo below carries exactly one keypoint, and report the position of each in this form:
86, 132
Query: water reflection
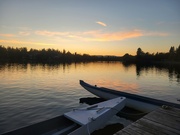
35, 92
13, 67
173, 70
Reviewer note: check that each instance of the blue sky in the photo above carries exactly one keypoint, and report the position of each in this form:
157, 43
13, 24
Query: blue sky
100, 27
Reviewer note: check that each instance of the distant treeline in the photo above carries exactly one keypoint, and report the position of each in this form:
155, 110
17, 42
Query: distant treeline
10, 54
145, 57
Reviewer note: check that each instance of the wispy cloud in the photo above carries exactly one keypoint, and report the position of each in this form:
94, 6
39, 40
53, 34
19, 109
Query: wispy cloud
7, 35
24, 33
101, 23
23, 42
159, 34
98, 35
112, 36
93, 35
51, 33
24, 28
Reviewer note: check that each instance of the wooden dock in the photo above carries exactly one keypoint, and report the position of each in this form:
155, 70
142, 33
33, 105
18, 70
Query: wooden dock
163, 121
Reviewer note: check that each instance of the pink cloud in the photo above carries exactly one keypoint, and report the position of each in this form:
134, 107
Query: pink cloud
51, 33
95, 35
7, 35
113, 36
98, 35
23, 42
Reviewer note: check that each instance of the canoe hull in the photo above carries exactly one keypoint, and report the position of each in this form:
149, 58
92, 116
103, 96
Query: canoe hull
140, 103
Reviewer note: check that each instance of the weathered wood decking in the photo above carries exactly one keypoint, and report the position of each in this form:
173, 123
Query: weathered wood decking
163, 121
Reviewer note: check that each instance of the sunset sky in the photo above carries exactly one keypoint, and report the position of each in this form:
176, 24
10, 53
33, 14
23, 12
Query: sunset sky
95, 27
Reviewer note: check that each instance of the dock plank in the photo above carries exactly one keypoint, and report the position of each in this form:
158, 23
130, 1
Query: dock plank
171, 111
154, 127
132, 130
163, 121
137, 130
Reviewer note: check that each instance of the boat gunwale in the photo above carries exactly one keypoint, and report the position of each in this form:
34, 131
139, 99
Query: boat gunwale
47, 126
131, 96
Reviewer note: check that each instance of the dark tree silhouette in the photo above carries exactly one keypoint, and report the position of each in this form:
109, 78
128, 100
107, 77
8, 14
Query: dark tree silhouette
11, 54
139, 52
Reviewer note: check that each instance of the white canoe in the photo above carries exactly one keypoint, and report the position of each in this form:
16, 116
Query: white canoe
140, 103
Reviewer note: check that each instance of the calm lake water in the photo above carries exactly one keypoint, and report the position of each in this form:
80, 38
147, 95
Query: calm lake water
30, 93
